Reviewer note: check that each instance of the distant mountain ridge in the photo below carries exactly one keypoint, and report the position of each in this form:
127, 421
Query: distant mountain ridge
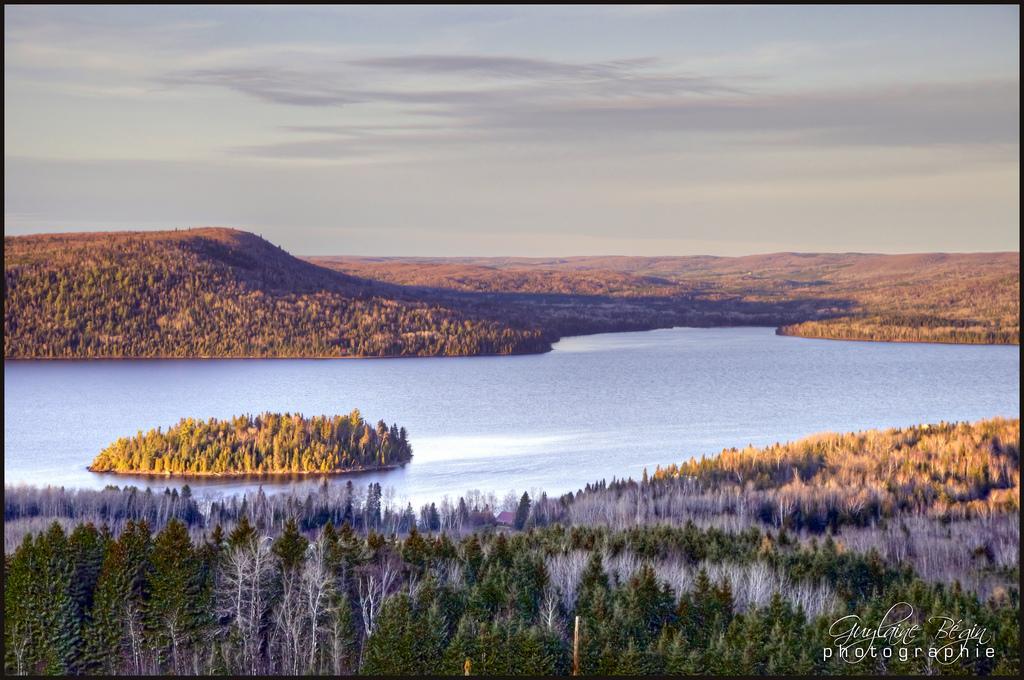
924, 297
212, 292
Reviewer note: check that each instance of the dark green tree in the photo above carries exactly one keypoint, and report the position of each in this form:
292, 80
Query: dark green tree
176, 607
522, 512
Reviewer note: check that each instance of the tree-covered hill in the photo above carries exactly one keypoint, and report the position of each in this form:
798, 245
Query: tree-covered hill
217, 293
930, 297
269, 443
820, 483
227, 293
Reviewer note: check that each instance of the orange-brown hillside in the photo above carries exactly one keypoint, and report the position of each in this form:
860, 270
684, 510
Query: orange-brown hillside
216, 293
935, 297
226, 293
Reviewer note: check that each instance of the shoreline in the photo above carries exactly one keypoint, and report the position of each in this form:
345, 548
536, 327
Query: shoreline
242, 475
778, 331
288, 358
781, 333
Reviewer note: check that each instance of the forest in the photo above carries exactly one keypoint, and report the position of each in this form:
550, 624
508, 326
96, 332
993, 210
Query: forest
217, 293
650, 600
270, 443
932, 297
731, 564
226, 293
909, 328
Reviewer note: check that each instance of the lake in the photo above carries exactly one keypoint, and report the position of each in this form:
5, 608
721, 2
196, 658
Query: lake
598, 406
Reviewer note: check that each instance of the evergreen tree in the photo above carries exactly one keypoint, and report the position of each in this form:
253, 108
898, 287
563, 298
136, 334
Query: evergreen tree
522, 512
290, 546
22, 620
176, 607
243, 534
115, 630
392, 649
342, 635
60, 626
88, 548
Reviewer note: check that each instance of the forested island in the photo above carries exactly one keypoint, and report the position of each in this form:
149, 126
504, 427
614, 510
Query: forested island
733, 564
269, 443
200, 293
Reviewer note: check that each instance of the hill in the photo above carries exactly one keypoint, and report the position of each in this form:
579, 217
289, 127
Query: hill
226, 293
932, 297
217, 293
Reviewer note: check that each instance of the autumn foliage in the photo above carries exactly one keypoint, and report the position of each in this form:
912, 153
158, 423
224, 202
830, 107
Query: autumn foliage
267, 443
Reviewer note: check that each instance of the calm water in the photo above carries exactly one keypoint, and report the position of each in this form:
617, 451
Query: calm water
599, 406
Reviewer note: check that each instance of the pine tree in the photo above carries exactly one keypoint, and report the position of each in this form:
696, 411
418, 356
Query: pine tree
61, 625
114, 632
633, 661
415, 551
290, 550
677, 656
462, 646
472, 558
593, 580
433, 518
372, 515
104, 637
522, 512
290, 546
243, 534
22, 623
175, 609
88, 547
646, 607
342, 631
391, 650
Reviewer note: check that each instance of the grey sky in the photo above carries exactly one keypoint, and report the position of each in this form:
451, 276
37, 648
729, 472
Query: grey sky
520, 130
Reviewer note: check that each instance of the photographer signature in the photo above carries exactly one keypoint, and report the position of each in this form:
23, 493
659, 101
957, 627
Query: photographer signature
897, 632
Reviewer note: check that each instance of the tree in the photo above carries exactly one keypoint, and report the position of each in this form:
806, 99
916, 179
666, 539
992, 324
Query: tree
392, 647
290, 547
342, 635
243, 596
88, 548
116, 629
522, 512
60, 625
21, 617
177, 606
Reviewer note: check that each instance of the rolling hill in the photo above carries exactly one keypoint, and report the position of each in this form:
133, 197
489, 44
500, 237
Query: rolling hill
931, 297
217, 293
226, 293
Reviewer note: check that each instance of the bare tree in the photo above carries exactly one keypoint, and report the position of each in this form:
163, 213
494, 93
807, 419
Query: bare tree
564, 573
374, 583
242, 596
549, 607
133, 626
317, 585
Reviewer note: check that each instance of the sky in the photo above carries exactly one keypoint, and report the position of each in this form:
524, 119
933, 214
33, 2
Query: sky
532, 130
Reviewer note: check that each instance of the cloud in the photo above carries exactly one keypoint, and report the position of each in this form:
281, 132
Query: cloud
933, 113
442, 101
532, 79
617, 111
279, 86
503, 66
